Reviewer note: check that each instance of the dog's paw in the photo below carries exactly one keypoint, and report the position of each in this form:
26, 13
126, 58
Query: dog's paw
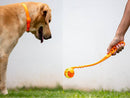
4, 92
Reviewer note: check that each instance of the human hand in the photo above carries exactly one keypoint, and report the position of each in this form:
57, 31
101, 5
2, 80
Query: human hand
115, 41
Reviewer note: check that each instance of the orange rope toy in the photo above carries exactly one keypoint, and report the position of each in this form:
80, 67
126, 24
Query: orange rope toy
69, 72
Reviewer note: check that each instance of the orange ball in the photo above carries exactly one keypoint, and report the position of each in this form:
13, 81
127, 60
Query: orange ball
69, 72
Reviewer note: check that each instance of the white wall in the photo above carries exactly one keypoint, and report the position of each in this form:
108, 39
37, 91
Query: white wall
88, 28
80, 37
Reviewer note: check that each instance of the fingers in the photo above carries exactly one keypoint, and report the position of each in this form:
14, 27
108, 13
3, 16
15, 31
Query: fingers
119, 47
114, 42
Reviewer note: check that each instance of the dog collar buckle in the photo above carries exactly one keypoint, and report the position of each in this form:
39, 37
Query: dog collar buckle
28, 17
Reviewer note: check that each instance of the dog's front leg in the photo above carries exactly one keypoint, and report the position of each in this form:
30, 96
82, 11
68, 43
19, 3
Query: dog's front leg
3, 68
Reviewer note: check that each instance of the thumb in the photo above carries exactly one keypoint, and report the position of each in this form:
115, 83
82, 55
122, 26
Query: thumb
109, 48
113, 43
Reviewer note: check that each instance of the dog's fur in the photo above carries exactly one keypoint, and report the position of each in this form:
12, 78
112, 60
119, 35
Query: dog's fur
12, 26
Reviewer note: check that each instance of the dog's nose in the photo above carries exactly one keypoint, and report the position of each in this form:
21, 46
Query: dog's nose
49, 37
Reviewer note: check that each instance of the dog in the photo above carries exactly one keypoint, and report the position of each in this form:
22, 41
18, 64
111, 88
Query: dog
15, 19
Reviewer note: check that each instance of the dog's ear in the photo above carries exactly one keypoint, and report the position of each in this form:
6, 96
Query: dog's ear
45, 12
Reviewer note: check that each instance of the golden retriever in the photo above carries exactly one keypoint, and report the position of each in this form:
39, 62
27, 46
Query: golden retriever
13, 23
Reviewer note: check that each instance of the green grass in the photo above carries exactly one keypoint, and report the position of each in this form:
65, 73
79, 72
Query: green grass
60, 93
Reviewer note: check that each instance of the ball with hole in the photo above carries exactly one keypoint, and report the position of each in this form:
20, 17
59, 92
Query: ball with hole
69, 72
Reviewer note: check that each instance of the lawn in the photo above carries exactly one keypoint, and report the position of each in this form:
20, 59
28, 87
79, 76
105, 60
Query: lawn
60, 93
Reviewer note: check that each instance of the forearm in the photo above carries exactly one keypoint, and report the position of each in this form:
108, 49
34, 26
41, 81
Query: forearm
125, 22
122, 28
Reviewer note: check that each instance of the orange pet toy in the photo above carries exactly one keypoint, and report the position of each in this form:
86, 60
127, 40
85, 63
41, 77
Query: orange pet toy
69, 72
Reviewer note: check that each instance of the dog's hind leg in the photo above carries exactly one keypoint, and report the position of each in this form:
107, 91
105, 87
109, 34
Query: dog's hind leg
3, 68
